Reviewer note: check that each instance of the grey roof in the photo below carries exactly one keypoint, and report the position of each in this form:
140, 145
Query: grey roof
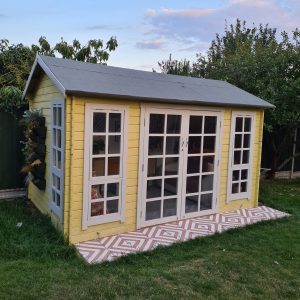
80, 78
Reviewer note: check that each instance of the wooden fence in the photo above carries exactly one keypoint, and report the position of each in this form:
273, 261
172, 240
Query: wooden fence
11, 158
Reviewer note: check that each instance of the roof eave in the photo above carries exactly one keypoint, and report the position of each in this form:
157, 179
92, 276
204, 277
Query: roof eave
148, 99
39, 62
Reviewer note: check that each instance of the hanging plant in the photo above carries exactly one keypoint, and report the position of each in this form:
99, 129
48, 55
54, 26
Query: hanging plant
34, 147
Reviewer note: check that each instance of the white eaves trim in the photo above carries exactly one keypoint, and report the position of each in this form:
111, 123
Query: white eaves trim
39, 61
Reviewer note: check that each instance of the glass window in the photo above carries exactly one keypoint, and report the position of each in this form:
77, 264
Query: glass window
106, 159
240, 153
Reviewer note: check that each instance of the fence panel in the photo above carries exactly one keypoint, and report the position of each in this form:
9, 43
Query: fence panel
11, 158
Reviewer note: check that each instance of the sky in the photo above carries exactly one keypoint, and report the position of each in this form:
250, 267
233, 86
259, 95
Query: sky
147, 31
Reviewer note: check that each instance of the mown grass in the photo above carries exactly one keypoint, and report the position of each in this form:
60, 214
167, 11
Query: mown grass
258, 262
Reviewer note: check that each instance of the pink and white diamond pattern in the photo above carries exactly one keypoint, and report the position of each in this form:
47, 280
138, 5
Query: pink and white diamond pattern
110, 248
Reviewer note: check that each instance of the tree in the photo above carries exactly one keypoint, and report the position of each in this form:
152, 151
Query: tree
255, 60
16, 61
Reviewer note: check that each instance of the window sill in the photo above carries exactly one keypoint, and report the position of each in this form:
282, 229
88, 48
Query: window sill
245, 196
104, 219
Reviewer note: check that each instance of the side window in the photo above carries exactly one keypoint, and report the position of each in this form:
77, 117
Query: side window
56, 156
240, 156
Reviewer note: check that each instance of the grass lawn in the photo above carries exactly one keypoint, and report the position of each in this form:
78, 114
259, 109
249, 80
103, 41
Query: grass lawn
258, 262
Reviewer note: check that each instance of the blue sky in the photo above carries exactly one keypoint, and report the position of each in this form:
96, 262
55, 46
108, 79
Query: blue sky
147, 31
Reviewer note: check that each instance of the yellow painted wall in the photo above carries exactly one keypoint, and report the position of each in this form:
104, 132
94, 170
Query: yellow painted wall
74, 163
44, 92
75, 157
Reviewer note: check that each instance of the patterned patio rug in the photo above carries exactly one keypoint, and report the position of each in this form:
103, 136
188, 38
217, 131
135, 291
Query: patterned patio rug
147, 239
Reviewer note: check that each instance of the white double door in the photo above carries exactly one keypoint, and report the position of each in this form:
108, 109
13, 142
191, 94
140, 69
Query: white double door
180, 162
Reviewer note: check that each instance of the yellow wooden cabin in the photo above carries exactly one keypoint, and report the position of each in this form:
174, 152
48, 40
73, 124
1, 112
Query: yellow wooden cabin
128, 149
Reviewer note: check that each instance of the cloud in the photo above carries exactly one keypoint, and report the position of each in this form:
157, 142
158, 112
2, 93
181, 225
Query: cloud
196, 47
150, 12
3, 16
155, 44
103, 27
193, 26
190, 13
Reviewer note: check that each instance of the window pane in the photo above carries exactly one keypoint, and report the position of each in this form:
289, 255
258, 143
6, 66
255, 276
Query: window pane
237, 157
193, 165
97, 191
192, 184
170, 207
235, 188
99, 122
246, 140
54, 180
59, 138
170, 187
208, 163
58, 183
172, 145
206, 201
157, 123
247, 126
173, 124
54, 136
114, 144
54, 196
98, 167
113, 166
207, 183
113, 189
171, 166
54, 116
156, 145
245, 156
244, 187
235, 175
194, 144
112, 206
154, 188
58, 159
209, 144
244, 174
195, 124
239, 124
54, 157
59, 116
57, 199
154, 167
114, 122
97, 209
98, 145
191, 204
210, 124
153, 210
238, 141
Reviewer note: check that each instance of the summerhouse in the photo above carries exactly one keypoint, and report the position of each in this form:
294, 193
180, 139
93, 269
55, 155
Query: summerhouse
128, 149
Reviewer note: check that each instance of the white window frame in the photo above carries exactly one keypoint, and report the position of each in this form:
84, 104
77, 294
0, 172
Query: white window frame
249, 166
57, 210
88, 180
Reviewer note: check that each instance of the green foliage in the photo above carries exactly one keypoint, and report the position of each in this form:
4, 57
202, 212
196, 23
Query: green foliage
16, 61
255, 60
10, 99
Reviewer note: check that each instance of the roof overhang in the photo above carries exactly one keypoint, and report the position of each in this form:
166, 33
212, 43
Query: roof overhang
35, 70
162, 100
